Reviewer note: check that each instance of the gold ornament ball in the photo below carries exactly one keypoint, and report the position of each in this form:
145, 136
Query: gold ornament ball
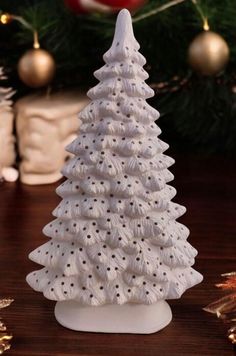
36, 68
208, 53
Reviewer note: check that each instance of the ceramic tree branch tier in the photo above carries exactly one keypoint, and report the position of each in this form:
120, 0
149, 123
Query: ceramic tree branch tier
116, 251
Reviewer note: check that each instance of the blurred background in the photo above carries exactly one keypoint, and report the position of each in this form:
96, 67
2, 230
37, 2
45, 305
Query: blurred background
189, 46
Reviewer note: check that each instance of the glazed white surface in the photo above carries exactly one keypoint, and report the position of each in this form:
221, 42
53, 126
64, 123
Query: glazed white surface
115, 238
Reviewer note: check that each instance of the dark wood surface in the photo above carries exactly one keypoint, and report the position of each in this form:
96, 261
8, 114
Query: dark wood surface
206, 187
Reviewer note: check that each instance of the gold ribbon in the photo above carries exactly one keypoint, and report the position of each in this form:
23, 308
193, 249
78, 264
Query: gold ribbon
5, 337
225, 307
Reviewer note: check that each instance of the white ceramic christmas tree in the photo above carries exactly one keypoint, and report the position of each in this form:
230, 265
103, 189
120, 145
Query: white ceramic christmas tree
116, 252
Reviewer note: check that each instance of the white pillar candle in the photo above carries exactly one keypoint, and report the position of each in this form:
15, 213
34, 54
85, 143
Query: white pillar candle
45, 125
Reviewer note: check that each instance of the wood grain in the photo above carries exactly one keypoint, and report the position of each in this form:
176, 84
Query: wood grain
206, 187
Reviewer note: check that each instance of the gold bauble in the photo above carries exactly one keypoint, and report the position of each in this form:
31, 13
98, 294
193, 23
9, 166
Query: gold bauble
208, 53
36, 68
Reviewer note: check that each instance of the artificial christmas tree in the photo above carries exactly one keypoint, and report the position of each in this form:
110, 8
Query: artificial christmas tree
116, 252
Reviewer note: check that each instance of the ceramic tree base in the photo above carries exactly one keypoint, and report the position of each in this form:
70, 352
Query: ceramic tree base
126, 318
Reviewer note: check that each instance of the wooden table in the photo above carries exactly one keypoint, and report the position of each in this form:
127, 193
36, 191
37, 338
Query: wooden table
206, 187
